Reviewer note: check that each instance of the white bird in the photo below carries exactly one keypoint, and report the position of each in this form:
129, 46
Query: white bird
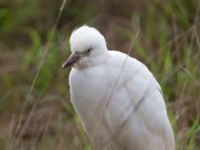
118, 100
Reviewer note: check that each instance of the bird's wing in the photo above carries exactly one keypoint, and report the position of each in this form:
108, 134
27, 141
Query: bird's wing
145, 122
148, 108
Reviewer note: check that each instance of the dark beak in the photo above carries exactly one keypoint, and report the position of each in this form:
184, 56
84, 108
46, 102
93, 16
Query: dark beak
73, 58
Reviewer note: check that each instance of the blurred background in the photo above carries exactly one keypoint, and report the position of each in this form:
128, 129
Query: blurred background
35, 109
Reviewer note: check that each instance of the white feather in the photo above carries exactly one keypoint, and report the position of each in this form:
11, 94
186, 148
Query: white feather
120, 105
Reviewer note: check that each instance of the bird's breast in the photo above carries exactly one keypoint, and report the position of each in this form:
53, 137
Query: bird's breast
94, 96
87, 90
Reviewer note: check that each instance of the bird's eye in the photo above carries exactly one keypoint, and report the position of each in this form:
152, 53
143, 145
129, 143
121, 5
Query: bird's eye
89, 50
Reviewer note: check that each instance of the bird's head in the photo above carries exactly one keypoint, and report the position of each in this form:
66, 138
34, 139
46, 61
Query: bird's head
87, 44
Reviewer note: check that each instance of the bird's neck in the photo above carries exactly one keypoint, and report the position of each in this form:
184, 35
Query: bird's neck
95, 61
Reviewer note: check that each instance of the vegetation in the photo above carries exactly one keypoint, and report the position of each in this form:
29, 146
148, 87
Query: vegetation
35, 109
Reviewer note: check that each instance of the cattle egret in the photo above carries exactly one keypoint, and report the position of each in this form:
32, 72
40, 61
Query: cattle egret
118, 100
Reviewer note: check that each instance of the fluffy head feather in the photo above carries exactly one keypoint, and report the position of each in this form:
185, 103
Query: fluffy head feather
87, 37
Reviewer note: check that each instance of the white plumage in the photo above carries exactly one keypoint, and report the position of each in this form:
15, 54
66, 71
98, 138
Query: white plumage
119, 102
